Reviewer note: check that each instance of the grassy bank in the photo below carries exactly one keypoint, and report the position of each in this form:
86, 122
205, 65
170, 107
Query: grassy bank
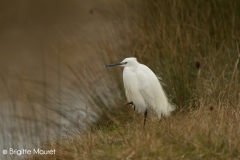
200, 134
194, 47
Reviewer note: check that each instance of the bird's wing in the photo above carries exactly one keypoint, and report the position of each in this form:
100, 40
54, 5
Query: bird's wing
145, 87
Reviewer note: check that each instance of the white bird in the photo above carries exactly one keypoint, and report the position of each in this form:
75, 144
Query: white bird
143, 89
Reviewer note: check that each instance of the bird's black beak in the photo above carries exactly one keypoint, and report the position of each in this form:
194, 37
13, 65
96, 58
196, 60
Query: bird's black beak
116, 64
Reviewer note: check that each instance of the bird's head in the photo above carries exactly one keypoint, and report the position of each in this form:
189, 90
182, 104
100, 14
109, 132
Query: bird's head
127, 62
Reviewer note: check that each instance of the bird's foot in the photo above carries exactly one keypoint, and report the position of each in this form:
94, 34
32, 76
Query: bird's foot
129, 103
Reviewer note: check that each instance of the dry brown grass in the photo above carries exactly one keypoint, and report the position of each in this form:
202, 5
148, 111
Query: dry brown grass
200, 134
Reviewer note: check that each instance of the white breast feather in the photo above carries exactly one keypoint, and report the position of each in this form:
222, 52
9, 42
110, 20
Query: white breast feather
131, 85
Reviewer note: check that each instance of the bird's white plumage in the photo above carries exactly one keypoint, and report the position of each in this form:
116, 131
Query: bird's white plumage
143, 88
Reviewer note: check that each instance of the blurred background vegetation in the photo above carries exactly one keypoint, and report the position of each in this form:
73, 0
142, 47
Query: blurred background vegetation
53, 83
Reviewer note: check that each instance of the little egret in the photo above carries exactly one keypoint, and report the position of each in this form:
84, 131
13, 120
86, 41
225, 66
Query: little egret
143, 89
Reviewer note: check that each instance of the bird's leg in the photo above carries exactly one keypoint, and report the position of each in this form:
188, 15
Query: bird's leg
129, 103
145, 116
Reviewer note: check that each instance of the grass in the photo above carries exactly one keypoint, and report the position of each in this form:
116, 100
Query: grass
199, 134
194, 47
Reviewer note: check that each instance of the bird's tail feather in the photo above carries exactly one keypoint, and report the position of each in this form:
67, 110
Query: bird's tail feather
165, 109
